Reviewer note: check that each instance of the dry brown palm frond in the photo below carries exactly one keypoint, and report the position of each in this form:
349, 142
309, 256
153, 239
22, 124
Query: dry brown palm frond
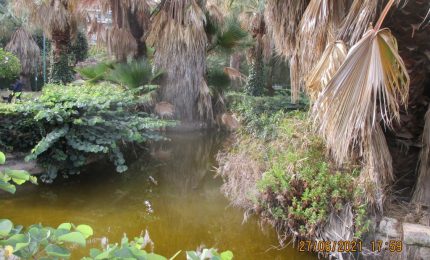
56, 17
234, 74
367, 87
360, 15
23, 45
329, 63
377, 173
121, 43
295, 77
178, 34
283, 18
215, 13
422, 190
316, 29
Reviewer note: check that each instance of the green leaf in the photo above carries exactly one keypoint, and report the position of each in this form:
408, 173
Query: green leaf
153, 256
73, 237
2, 158
18, 176
5, 227
85, 230
17, 241
227, 255
7, 187
57, 251
66, 226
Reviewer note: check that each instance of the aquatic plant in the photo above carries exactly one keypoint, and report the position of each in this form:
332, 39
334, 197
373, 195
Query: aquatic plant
9, 178
39, 242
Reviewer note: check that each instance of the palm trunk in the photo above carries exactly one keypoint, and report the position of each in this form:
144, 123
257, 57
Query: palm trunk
235, 60
60, 71
180, 40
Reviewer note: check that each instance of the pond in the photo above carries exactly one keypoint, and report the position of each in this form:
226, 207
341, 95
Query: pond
174, 194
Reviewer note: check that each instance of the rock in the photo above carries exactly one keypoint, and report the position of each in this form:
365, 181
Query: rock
389, 227
424, 253
415, 234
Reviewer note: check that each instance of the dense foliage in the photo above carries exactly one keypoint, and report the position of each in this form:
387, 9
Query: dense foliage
69, 125
9, 177
291, 182
39, 242
10, 66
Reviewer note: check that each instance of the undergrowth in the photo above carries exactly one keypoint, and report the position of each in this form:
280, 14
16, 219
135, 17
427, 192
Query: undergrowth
279, 168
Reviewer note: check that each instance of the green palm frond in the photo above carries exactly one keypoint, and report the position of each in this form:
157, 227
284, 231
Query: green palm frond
95, 73
134, 74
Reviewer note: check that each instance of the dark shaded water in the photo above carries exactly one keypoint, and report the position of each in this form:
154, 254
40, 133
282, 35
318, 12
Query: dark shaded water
174, 195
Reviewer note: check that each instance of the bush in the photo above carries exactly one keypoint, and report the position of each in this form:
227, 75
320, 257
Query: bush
295, 186
260, 115
10, 67
71, 124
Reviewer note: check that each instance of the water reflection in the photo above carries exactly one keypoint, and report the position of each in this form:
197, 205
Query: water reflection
173, 195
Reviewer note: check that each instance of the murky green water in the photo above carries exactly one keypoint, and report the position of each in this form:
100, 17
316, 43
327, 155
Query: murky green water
174, 196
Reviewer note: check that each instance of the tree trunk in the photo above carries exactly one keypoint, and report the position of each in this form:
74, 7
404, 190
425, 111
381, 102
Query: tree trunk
405, 142
182, 56
60, 71
235, 60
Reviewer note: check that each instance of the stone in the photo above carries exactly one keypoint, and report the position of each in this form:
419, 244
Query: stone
415, 234
424, 253
389, 227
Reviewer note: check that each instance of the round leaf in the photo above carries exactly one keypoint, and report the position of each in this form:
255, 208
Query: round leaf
73, 237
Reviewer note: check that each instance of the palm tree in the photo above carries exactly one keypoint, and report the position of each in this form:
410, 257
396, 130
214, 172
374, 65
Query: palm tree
21, 43
179, 37
130, 21
59, 20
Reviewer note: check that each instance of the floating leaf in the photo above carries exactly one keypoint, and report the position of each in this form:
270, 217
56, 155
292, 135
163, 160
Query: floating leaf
5, 227
73, 237
85, 230
57, 251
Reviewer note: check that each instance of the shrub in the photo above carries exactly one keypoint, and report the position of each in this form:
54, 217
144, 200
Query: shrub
132, 75
10, 67
296, 186
71, 124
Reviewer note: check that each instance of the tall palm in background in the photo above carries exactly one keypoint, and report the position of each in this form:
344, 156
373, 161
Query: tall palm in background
179, 37
130, 22
20, 42
59, 20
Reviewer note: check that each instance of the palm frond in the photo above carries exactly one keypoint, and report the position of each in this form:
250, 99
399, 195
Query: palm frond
357, 21
178, 34
132, 75
121, 43
367, 87
23, 45
329, 63
317, 28
283, 18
